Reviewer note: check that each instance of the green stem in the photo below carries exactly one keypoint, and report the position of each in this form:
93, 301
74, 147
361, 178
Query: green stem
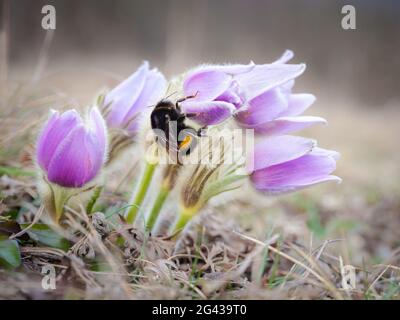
60, 198
181, 223
141, 192
158, 204
93, 199
185, 215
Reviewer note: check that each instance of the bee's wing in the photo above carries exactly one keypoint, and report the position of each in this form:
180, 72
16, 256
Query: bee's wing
170, 143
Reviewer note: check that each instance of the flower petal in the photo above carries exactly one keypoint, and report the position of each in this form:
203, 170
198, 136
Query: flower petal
77, 160
296, 174
285, 125
124, 96
97, 124
134, 125
267, 76
287, 87
263, 108
324, 152
298, 103
275, 150
274, 190
206, 85
285, 57
232, 69
209, 112
54, 132
153, 90
232, 95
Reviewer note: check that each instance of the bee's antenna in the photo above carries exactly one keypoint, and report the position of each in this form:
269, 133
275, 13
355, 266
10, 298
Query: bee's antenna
171, 94
169, 86
153, 105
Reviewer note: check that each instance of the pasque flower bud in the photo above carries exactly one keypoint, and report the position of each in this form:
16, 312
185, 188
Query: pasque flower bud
71, 152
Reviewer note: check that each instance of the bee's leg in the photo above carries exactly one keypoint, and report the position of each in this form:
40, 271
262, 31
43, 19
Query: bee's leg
190, 115
183, 116
185, 98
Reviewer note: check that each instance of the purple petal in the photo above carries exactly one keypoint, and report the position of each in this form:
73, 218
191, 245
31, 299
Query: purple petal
206, 85
232, 95
265, 77
123, 96
275, 150
54, 132
285, 57
263, 108
287, 87
273, 190
153, 90
209, 112
134, 125
296, 174
285, 125
298, 103
77, 160
97, 124
232, 69
327, 153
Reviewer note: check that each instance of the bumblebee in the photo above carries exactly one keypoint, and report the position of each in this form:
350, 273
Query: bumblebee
165, 117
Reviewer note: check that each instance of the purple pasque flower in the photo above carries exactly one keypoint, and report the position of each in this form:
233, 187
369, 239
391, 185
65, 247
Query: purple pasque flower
259, 96
217, 94
276, 110
125, 105
71, 151
288, 163
224, 90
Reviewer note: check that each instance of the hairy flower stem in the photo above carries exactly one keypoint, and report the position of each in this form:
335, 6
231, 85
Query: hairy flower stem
96, 194
169, 180
185, 215
60, 199
158, 204
141, 191
55, 200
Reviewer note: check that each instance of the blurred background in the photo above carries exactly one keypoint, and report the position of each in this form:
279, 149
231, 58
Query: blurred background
353, 73
175, 34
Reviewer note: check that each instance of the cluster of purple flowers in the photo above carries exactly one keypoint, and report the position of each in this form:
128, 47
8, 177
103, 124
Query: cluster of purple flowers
260, 97
72, 152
